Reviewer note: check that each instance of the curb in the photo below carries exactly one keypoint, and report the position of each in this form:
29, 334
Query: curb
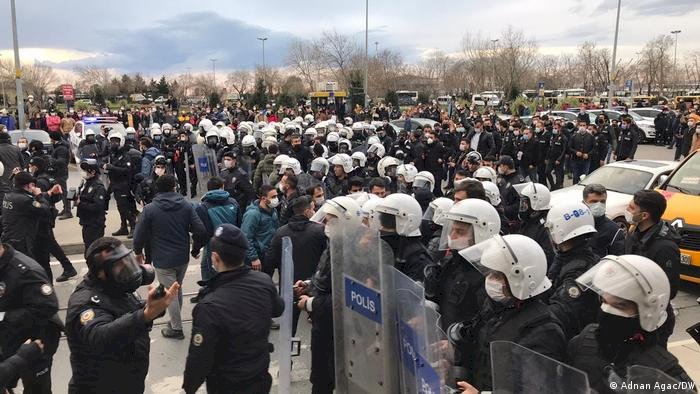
79, 248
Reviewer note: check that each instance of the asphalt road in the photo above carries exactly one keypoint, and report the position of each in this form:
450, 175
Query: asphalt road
168, 356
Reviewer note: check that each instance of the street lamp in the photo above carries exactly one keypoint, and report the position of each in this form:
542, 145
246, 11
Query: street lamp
213, 66
675, 54
376, 48
18, 70
263, 39
493, 63
614, 55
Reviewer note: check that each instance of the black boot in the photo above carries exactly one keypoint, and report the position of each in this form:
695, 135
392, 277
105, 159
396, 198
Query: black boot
122, 231
131, 233
67, 274
65, 215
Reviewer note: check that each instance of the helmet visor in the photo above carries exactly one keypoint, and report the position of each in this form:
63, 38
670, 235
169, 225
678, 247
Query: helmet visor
122, 266
457, 234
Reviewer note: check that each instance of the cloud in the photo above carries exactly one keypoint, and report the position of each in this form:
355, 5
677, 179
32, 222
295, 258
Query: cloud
651, 7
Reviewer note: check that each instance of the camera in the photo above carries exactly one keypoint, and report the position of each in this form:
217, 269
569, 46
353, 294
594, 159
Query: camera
71, 194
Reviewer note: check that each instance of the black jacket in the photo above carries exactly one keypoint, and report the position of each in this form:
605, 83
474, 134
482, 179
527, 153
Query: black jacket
411, 257
610, 238
530, 152
509, 196
557, 148
508, 144
21, 215
237, 184
108, 339
92, 209
533, 228
11, 158
574, 307
486, 145
14, 365
658, 243
626, 144
230, 326
308, 243
30, 305
61, 154
581, 142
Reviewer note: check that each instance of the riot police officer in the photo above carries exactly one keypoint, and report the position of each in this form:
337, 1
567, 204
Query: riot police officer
635, 294
534, 205
28, 308
400, 219
120, 170
570, 226
236, 180
146, 189
514, 267
626, 141
107, 326
231, 322
316, 294
91, 202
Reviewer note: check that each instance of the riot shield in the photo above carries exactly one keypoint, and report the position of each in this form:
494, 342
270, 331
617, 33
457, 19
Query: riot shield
517, 369
363, 313
286, 342
646, 380
205, 165
439, 351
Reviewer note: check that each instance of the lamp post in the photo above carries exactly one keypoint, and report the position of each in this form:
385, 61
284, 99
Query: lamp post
493, 63
213, 67
675, 54
614, 55
18, 70
263, 39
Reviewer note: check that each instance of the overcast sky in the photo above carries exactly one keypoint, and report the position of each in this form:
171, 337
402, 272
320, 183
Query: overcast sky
168, 36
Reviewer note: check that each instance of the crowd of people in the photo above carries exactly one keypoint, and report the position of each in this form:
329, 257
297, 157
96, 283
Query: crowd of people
463, 204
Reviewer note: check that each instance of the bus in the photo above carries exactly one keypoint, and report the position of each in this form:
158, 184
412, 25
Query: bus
566, 93
407, 98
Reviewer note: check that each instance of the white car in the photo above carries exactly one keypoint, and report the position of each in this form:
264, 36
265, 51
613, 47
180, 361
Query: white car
95, 123
646, 113
622, 179
647, 126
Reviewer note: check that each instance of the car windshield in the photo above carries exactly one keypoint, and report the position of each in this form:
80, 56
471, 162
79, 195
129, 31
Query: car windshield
619, 179
96, 127
687, 178
636, 116
30, 136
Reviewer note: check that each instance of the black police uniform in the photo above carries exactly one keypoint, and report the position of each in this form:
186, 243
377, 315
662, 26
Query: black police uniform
574, 307
28, 307
587, 353
120, 170
410, 256
182, 160
508, 144
21, 214
108, 340
322, 347
626, 144
543, 139
230, 326
599, 152
92, 209
528, 323
237, 184
510, 196
556, 153
45, 237
533, 228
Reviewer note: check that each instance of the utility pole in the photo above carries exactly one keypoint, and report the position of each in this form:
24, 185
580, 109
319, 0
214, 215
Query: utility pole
675, 54
376, 49
18, 70
366, 56
613, 66
493, 62
263, 39
213, 65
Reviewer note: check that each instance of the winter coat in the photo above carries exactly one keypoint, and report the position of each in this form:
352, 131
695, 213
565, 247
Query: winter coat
308, 243
149, 156
259, 226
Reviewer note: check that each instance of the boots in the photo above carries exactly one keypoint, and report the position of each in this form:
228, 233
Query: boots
122, 231
131, 233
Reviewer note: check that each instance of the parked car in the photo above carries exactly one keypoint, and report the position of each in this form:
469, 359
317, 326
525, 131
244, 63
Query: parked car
622, 179
646, 113
647, 126
96, 124
416, 123
32, 135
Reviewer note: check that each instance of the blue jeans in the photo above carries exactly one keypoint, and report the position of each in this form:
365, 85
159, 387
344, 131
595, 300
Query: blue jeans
580, 167
527, 172
205, 264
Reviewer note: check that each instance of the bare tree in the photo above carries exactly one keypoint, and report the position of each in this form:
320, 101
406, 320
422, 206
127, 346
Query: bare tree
339, 54
515, 57
240, 81
304, 58
92, 75
656, 62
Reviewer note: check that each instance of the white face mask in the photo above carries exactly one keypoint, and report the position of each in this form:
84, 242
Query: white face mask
462, 147
597, 209
22, 145
228, 163
274, 202
607, 308
459, 243
159, 171
430, 141
629, 216
84, 174
319, 201
494, 289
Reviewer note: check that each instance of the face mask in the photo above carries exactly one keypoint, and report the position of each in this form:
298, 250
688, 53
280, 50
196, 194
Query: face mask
274, 202
114, 146
459, 243
319, 201
516, 133
597, 209
84, 174
159, 171
494, 289
526, 137
624, 126
630, 217
183, 139
430, 141
228, 163
463, 148
613, 328
555, 131
582, 130
22, 145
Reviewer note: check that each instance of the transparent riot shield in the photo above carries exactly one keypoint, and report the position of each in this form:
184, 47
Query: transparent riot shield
288, 346
363, 313
517, 369
646, 380
439, 352
205, 165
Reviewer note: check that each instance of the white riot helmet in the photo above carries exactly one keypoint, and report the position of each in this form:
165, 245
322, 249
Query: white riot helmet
338, 213
408, 171
156, 133
310, 134
290, 127
245, 128
116, 134
90, 132
129, 130
291, 163
492, 193
205, 124
321, 128
358, 159
348, 121
279, 161
249, 140
308, 118
345, 132
345, 142
228, 134
188, 126
469, 222
358, 127
331, 127
220, 124
166, 126
373, 139
424, 180
319, 164
212, 136
267, 142
486, 174
632, 278
298, 120
386, 167
369, 210
332, 137
537, 193
154, 125
406, 210
519, 258
341, 159
285, 120
569, 220
376, 149
437, 209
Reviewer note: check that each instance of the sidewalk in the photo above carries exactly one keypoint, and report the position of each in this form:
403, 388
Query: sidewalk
69, 233
688, 354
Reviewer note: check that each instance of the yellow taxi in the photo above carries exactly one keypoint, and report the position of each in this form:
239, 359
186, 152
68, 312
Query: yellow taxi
682, 192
